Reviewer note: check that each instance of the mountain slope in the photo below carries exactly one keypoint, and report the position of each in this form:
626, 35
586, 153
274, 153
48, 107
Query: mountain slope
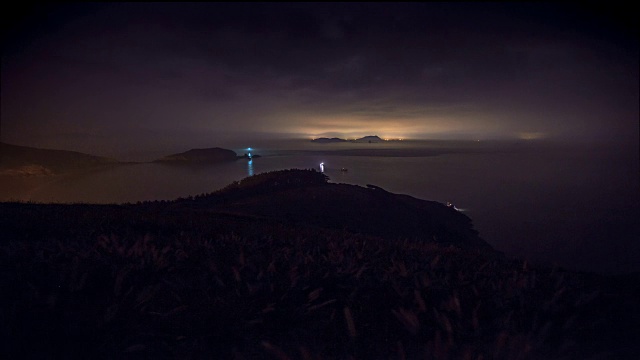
24, 160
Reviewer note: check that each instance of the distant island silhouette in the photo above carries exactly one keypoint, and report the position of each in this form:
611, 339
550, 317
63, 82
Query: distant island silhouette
365, 139
201, 156
204, 156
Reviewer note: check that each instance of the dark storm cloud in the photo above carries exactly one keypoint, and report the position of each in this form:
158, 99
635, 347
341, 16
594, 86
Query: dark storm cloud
218, 70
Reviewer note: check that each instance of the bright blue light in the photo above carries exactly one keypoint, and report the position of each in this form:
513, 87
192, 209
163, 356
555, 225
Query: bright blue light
249, 149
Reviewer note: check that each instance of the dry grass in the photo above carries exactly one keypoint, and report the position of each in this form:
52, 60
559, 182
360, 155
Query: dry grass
155, 281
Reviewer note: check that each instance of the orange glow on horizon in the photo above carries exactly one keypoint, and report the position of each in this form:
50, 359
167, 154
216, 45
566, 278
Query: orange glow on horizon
351, 127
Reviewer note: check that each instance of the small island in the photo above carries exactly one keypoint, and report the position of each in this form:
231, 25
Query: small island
366, 139
324, 140
204, 156
369, 139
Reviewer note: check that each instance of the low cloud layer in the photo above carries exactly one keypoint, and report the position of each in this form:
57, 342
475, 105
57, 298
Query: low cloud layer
127, 75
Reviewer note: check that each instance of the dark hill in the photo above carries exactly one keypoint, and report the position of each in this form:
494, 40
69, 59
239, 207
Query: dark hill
369, 139
200, 156
23, 160
305, 196
271, 267
365, 139
324, 140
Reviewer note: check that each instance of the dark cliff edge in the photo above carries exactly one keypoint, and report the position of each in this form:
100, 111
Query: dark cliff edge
369, 139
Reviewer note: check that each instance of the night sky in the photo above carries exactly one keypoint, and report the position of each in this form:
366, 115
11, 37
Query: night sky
100, 77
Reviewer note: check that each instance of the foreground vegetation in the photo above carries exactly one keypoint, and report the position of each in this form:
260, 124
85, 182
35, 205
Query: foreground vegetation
170, 280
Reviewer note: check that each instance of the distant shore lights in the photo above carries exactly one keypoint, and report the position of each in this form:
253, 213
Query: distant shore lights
249, 152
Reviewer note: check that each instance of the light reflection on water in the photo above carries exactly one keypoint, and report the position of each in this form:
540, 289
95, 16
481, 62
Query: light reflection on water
250, 167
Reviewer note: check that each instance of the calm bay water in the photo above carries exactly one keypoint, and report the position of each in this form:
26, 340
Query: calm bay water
574, 206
